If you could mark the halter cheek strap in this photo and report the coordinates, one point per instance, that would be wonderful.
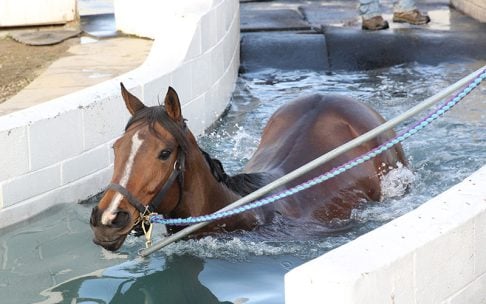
(177, 173)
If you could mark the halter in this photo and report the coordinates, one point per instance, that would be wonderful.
(177, 173)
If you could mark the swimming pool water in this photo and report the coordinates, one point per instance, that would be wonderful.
(53, 253)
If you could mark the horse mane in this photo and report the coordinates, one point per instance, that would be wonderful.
(242, 184)
(157, 114)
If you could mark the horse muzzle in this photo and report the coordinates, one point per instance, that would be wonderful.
(111, 236)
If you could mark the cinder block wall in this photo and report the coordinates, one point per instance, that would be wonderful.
(434, 254)
(473, 8)
(60, 151)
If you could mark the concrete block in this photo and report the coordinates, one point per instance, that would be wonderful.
(26, 186)
(209, 31)
(85, 164)
(195, 48)
(215, 97)
(232, 41)
(1, 197)
(104, 120)
(218, 14)
(473, 293)
(229, 13)
(77, 191)
(480, 244)
(55, 139)
(217, 63)
(155, 89)
(180, 80)
(15, 153)
(85, 187)
(201, 74)
(195, 112)
(445, 265)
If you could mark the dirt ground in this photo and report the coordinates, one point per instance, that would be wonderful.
(20, 63)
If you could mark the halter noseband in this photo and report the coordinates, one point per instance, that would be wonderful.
(178, 174)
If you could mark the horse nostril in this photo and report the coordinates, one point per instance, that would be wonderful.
(121, 219)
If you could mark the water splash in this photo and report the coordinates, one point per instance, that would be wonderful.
(396, 182)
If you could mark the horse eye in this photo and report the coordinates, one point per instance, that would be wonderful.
(165, 154)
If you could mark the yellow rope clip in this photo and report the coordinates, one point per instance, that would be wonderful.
(147, 232)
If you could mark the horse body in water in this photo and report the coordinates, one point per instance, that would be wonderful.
(158, 163)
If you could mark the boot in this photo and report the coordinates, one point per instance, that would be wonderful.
(412, 17)
(374, 24)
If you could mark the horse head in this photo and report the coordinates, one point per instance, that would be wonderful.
(148, 169)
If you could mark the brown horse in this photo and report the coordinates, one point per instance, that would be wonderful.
(159, 166)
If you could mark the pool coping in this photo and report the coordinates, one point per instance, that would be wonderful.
(433, 254)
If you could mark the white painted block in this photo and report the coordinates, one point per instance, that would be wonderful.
(180, 80)
(445, 265)
(209, 32)
(85, 164)
(231, 43)
(34, 12)
(473, 293)
(1, 198)
(55, 139)
(14, 158)
(154, 90)
(218, 12)
(104, 120)
(217, 63)
(195, 48)
(80, 190)
(201, 76)
(213, 97)
(195, 113)
(229, 13)
(480, 244)
(26, 186)
(85, 187)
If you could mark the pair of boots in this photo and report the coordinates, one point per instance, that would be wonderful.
(413, 17)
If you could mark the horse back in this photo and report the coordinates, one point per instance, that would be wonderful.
(311, 126)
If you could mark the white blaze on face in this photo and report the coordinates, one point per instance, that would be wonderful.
(110, 213)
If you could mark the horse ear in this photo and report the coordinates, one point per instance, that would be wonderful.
(173, 105)
(131, 101)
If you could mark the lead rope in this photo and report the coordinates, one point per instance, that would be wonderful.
(155, 218)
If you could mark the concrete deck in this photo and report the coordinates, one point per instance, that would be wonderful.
(85, 65)
(101, 54)
(326, 35)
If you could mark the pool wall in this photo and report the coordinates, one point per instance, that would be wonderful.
(60, 151)
(434, 254)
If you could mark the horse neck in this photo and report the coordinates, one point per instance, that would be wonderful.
(203, 194)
